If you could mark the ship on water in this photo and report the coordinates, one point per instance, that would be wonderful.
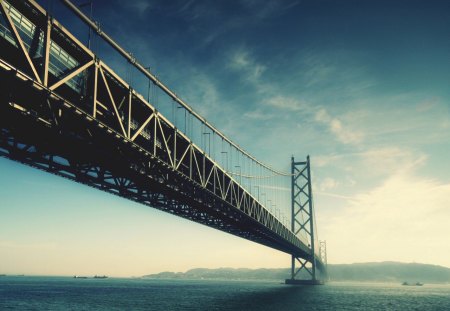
(412, 284)
(95, 277)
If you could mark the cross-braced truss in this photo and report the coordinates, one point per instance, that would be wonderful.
(303, 221)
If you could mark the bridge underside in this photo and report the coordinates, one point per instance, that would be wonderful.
(75, 147)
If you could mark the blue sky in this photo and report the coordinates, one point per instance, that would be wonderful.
(361, 86)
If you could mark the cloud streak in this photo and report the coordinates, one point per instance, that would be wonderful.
(406, 216)
(342, 132)
(249, 69)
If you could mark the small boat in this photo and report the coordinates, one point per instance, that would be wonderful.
(412, 284)
(79, 277)
(100, 277)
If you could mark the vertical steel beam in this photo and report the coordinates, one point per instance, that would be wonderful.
(311, 220)
(130, 96)
(94, 99)
(292, 212)
(154, 133)
(47, 40)
(214, 179)
(203, 168)
(174, 152)
(190, 162)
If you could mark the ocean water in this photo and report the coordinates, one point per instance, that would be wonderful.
(59, 293)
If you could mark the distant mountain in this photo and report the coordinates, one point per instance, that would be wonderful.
(395, 272)
(390, 272)
(224, 274)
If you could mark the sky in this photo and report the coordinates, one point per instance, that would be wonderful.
(360, 86)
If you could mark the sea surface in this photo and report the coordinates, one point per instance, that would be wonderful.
(65, 293)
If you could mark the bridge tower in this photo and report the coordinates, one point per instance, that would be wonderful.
(303, 271)
(323, 257)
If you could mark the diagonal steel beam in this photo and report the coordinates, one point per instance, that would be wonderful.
(197, 166)
(71, 74)
(112, 102)
(142, 127)
(19, 40)
(183, 156)
(169, 152)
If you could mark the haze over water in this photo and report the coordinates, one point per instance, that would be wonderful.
(59, 293)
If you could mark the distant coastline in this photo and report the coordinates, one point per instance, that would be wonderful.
(388, 272)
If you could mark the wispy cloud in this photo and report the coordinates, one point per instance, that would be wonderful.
(288, 103)
(203, 94)
(342, 132)
(258, 115)
(334, 195)
(392, 159)
(328, 183)
(242, 62)
(380, 160)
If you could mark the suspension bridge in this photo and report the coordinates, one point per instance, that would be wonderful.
(65, 111)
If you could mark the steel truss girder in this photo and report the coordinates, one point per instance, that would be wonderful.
(42, 129)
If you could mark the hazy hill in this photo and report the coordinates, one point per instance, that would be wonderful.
(390, 272)
(225, 274)
(364, 272)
